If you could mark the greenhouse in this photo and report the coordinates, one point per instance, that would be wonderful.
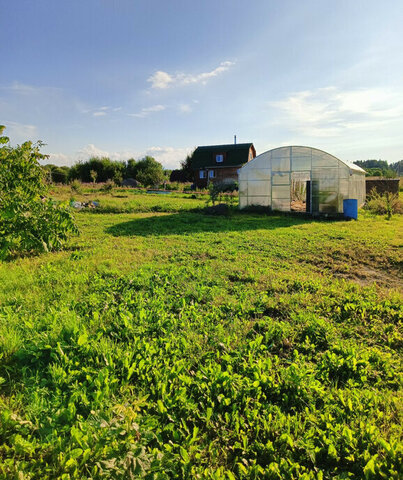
(300, 179)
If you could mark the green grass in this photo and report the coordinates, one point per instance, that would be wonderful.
(180, 345)
(126, 200)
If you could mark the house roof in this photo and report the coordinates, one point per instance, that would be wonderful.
(234, 155)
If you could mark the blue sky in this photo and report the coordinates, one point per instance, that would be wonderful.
(127, 78)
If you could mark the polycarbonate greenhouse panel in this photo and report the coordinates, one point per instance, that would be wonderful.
(322, 159)
(269, 178)
(243, 201)
(281, 205)
(262, 201)
(301, 163)
(280, 164)
(259, 174)
(279, 178)
(243, 188)
(264, 162)
(343, 187)
(257, 188)
(281, 191)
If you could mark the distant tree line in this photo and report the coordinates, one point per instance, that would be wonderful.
(381, 168)
(146, 171)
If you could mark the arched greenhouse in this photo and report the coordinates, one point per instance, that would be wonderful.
(302, 179)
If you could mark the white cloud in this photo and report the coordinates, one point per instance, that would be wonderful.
(169, 157)
(20, 132)
(31, 90)
(99, 114)
(144, 112)
(329, 112)
(163, 80)
(91, 150)
(59, 159)
(185, 108)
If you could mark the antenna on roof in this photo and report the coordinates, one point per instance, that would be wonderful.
(234, 139)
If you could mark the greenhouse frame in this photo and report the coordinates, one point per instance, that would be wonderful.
(300, 179)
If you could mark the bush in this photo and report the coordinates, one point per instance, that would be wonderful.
(107, 187)
(149, 172)
(172, 186)
(222, 191)
(76, 186)
(29, 221)
(385, 204)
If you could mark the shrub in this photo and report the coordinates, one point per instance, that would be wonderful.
(222, 191)
(76, 186)
(172, 186)
(385, 204)
(29, 221)
(149, 172)
(107, 186)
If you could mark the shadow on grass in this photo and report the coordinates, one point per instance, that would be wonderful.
(186, 223)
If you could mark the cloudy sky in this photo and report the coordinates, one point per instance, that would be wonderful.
(125, 78)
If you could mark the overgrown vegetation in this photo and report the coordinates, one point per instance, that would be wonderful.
(29, 220)
(223, 192)
(384, 204)
(186, 346)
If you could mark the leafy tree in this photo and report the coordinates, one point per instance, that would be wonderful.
(382, 164)
(29, 221)
(377, 168)
(149, 172)
(56, 174)
(187, 168)
(130, 168)
(397, 167)
(105, 170)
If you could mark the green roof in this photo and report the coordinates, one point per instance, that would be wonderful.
(234, 155)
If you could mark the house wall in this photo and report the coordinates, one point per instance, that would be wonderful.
(221, 174)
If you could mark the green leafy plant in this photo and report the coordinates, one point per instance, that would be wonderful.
(76, 186)
(222, 192)
(107, 187)
(384, 204)
(29, 220)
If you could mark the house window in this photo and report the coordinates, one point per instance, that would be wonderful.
(202, 174)
(219, 158)
(211, 174)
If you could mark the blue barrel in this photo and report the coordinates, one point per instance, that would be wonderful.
(350, 208)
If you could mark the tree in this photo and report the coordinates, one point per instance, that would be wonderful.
(29, 221)
(104, 168)
(93, 175)
(187, 168)
(377, 168)
(148, 172)
(130, 168)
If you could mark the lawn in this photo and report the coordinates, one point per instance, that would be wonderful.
(164, 343)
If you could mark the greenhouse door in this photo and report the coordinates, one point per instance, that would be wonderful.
(301, 192)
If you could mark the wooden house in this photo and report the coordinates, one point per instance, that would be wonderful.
(218, 163)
